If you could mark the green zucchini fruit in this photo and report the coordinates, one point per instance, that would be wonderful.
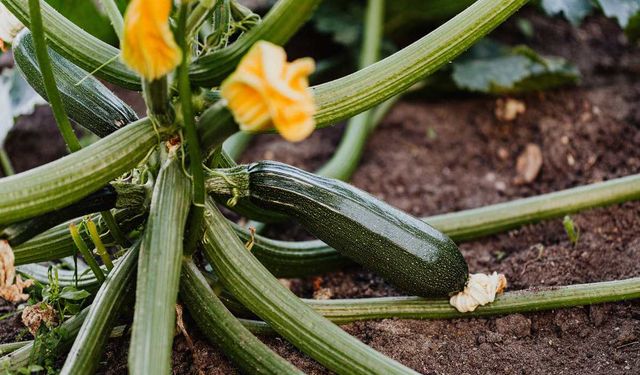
(115, 195)
(406, 251)
(88, 102)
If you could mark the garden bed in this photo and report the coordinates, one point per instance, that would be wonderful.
(430, 157)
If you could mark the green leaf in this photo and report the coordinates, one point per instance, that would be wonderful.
(341, 19)
(572, 10)
(627, 12)
(73, 294)
(622, 10)
(492, 68)
(18, 97)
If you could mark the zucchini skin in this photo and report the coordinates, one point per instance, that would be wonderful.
(20, 232)
(90, 104)
(406, 251)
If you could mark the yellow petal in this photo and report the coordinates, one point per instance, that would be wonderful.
(267, 91)
(148, 46)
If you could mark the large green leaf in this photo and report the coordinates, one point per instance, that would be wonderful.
(16, 98)
(573, 10)
(492, 68)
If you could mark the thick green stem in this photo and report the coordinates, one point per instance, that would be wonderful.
(523, 301)
(64, 125)
(57, 243)
(257, 289)
(66, 180)
(298, 259)
(85, 50)
(13, 346)
(193, 144)
(346, 157)
(84, 356)
(223, 329)
(156, 96)
(111, 9)
(159, 272)
(352, 94)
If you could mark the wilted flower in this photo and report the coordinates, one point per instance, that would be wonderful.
(11, 286)
(148, 46)
(480, 290)
(33, 316)
(266, 90)
(10, 26)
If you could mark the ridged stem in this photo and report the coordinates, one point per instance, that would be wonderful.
(156, 96)
(348, 153)
(77, 45)
(193, 144)
(84, 356)
(57, 243)
(159, 272)
(66, 180)
(256, 288)
(224, 330)
(352, 94)
(301, 258)
(64, 125)
(343, 311)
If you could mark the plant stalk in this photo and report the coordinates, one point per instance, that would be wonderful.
(84, 356)
(223, 329)
(64, 125)
(257, 289)
(348, 153)
(193, 144)
(86, 253)
(159, 272)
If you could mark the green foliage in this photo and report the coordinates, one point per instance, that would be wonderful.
(18, 97)
(573, 10)
(573, 232)
(495, 69)
(626, 12)
(86, 14)
(67, 300)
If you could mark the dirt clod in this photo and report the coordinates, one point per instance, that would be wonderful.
(516, 325)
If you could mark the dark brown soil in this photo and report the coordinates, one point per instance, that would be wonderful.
(430, 157)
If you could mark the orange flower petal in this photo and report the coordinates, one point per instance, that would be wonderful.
(148, 46)
(267, 91)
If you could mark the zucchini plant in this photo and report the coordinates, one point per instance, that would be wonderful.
(209, 69)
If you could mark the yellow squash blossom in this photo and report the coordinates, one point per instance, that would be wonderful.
(266, 90)
(148, 46)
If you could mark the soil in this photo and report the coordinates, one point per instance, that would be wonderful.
(435, 156)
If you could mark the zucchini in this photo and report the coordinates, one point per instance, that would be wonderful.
(115, 195)
(89, 103)
(406, 251)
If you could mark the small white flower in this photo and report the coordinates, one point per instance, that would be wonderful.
(10, 26)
